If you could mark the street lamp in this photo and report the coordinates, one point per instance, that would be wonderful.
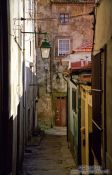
(45, 49)
(45, 46)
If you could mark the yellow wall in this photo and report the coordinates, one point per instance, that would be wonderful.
(86, 122)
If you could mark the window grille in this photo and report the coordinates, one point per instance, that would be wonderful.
(63, 47)
(64, 18)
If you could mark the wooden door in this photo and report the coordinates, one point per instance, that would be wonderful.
(60, 118)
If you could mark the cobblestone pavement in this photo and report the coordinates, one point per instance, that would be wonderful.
(47, 155)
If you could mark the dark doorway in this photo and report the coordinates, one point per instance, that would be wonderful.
(96, 110)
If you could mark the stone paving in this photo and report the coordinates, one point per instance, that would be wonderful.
(47, 154)
(57, 131)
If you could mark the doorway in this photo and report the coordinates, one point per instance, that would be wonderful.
(60, 113)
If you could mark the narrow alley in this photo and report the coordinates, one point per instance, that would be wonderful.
(55, 87)
(48, 154)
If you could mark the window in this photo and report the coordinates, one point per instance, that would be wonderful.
(63, 47)
(64, 18)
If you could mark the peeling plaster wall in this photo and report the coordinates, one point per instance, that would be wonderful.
(78, 29)
(45, 112)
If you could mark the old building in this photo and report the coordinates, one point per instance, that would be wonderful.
(57, 91)
(102, 85)
(69, 26)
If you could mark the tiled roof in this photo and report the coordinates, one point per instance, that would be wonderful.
(85, 47)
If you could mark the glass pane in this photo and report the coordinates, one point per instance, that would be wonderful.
(45, 52)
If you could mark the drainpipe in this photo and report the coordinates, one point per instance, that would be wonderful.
(94, 25)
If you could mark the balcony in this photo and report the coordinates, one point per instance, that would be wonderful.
(73, 1)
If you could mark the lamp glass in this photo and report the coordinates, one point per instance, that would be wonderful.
(45, 48)
(45, 52)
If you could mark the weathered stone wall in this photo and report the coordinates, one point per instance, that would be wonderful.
(44, 112)
(78, 30)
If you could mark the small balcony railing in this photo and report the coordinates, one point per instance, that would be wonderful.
(73, 1)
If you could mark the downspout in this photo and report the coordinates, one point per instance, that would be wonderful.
(94, 25)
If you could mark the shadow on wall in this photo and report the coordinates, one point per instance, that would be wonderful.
(45, 112)
(20, 128)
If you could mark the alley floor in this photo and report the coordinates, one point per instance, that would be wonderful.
(47, 154)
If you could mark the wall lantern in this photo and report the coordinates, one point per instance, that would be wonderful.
(45, 45)
(45, 49)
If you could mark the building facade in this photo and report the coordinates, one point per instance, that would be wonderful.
(69, 26)
(17, 77)
(102, 83)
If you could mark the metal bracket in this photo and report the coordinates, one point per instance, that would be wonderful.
(94, 90)
(98, 127)
(97, 90)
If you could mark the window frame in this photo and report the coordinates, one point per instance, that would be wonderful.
(64, 51)
(64, 18)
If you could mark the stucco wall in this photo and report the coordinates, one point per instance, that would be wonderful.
(103, 36)
(103, 29)
(22, 76)
(16, 86)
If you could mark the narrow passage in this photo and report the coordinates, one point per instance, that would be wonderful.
(47, 155)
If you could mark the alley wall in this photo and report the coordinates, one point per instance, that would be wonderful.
(21, 91)
(103, 46)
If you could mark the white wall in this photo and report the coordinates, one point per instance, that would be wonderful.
(22, 50)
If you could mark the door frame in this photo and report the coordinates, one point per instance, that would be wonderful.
(60, 100)
(54, 97)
